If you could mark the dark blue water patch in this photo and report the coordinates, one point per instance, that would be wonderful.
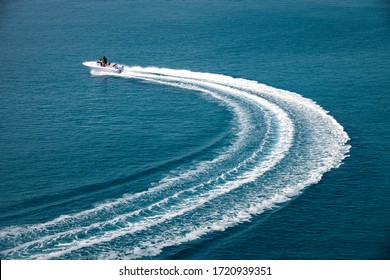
(100, 142)
(311, 224)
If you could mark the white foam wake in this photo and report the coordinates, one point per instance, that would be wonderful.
(283, 143)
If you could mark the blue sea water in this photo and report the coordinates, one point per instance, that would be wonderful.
(238, 130)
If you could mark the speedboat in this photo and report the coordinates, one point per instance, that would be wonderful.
(97, 66)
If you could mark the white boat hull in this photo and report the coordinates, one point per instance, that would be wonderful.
(111, 68)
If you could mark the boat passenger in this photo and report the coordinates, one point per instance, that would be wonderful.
(104, 61)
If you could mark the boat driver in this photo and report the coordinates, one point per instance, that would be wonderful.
(104, 61)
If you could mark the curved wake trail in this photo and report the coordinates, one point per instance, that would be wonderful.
(282, 143)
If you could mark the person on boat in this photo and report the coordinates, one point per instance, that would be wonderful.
(104, 61)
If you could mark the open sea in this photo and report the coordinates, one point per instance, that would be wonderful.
(238, 129)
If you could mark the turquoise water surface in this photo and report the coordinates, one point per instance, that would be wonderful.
(237, 130)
